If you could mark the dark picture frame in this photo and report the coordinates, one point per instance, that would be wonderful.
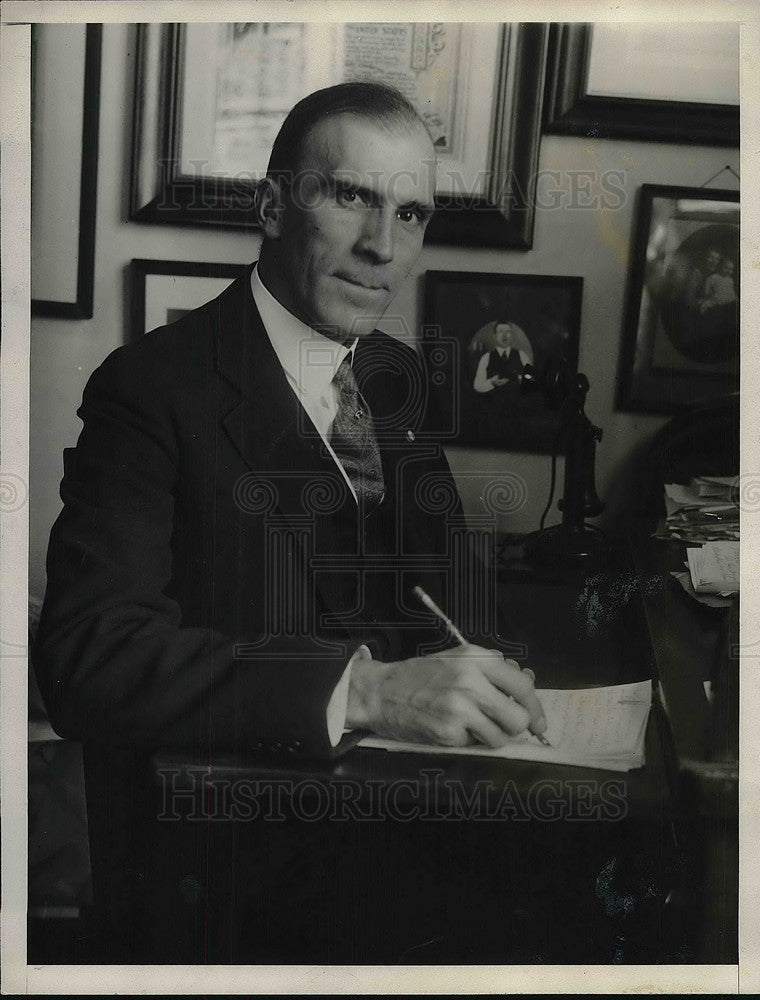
(680, 344)
(160, 194)
(188, 285)
(476, 403)
(570, 110)
(79, 305)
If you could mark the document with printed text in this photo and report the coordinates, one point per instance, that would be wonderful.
(588, 727)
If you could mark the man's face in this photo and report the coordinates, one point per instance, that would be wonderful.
(503, 334)
(353, 224)
(713, 259)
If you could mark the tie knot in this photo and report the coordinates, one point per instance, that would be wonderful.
(345, 373)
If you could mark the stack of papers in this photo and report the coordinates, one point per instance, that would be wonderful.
(718, 487)
(695, 518)
(714, 568)
(588, 727)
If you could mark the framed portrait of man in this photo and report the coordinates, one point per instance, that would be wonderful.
(487, 329)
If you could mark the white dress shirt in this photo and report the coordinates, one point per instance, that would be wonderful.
(310, 361)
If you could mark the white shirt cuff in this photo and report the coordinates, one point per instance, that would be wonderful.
(338, 703)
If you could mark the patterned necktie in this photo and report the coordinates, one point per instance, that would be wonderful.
(353, 439)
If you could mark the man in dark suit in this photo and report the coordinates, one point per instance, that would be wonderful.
(185, 498)
(255, 493)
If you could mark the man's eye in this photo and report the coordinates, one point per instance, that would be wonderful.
(409, 215)
(348, 197)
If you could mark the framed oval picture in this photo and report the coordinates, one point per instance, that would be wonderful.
(681, 338)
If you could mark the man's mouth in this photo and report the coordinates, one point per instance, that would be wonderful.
(368, 286)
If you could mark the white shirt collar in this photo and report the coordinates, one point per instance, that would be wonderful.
(308, 357)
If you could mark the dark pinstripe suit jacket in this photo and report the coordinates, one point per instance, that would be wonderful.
(208, 576)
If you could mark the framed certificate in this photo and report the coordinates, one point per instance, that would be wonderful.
(210, 99)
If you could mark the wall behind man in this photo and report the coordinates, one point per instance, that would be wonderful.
(572, 240)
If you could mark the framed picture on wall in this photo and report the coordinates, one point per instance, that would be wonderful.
(669, 82)
(162, 291)
(65, 118)
(681, 337)
(477, 85)
(480, 333)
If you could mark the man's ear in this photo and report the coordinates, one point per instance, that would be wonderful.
(269, 207)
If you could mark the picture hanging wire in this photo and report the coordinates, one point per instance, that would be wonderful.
(722, 170)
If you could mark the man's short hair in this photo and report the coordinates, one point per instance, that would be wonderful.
(376, 101)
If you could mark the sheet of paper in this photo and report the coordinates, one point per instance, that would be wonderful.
(724, 556)
(710, 600)
(598, 720)
(714, 568)
(682, 496)
(720, 486)
(590, 727)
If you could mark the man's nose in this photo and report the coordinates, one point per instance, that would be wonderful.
(377, 234)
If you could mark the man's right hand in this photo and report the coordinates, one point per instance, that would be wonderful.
(460, 696)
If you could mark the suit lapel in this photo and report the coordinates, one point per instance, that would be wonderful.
(276, 439)
(263, 418)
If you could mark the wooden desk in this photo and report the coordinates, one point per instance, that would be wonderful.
(694, 644)
(514, 861)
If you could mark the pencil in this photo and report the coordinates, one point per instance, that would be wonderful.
(456, 635)
(428, 601)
